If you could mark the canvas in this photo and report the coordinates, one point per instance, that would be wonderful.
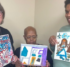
(34, 55)
(6, 51)
(62, 48)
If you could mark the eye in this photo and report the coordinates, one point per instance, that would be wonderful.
(28, 37)
(34, 36)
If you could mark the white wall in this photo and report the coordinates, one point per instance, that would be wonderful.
(19, 14)
(49, 18)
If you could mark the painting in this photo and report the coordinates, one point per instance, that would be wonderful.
(6, 51)
(34, 55)
(62, 48)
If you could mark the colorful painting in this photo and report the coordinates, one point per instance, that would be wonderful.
(6, 51)
(62, 48)
(34, 55)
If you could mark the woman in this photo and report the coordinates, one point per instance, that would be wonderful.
(4, 31)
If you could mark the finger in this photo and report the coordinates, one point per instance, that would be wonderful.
(55, 41)
(12, 59)
(52, 43)
(47, 65)
(19, 59)
(51, 38)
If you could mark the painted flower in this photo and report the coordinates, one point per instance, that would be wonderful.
(65, 35)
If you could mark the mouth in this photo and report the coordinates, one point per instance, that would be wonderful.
(68, 20)
(31, 42)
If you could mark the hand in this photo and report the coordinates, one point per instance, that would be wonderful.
(52, 40)
(47, 63)
(18, 64)
(14, 59)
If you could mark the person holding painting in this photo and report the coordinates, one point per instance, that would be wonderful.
(53, 41)
(30, 36)
(4, 31)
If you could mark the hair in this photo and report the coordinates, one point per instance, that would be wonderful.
(67, 2)
(29, 28)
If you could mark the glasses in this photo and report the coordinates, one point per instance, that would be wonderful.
(28, 37)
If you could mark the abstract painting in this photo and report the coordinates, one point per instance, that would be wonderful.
(6, 51)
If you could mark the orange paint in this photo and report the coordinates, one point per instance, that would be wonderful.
(24, 62)
(33, 58)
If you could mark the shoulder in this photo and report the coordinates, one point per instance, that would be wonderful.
(64, 27)
(5, 31)
(17, 49)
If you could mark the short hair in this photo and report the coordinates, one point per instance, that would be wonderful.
(67, 2)
(2, 10)
(29, 28)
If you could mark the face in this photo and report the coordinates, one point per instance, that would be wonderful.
(63, 43)
(30, 37)
(67, 11)
(1, 17)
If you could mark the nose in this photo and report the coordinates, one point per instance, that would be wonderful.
(31, 38)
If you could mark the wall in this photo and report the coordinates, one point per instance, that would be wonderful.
(49, 18)
(19, 14)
